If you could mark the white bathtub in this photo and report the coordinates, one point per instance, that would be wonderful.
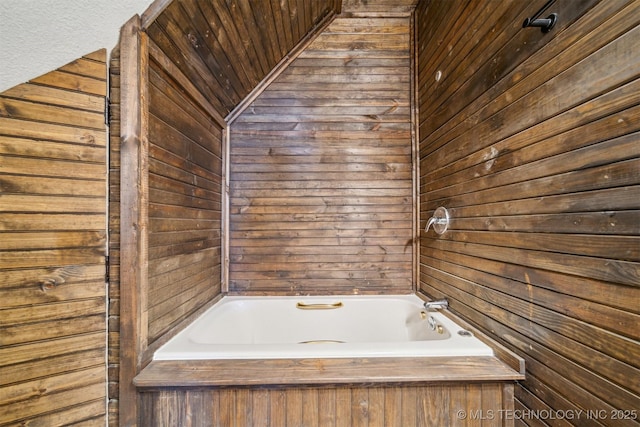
(320, 327)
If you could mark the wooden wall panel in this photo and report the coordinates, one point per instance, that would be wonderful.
(52, 247)
(428, 405)
(185, 179)
(226, 48)
(532, 141)
(321, 172)
(369, 8)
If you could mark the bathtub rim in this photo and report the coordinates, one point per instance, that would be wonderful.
(455, 346)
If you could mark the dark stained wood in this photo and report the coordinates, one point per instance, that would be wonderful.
(171, 92)
(113, 290)
(133, 262)
(372, 8)
(52, 247)
(185, 176)
(184, 82)
(317, 372)
(282, 65)
(531, 140)
(25, 110)
(320, 179)
(227, 48)
(390, 405)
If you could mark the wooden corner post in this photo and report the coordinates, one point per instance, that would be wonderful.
(133, 214)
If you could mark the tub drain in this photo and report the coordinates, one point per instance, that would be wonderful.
(322, 342)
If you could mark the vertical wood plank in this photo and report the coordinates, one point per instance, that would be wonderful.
(244, 407)
(434, 405)
(278, 407)
(327, 407)
(377, 407)
(343, 407)
(410, 406)
(260, 408)
(114, 237)
(133, 214)
(310, 407)
(294, 407)
(458, 398)
(228, 406)
(508, 404)
(393, 406)
(216, 408)
(360, 407)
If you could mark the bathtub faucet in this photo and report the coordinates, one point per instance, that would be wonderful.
(439, 221)
(438, 304)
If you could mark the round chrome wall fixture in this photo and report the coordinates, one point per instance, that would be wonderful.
(439, 221)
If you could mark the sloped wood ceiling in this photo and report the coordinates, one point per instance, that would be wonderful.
(227, 47)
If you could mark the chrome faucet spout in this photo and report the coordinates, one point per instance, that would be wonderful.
(439, 304)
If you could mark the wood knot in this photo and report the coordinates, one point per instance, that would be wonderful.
(89, 139)
(48, 284)
(364, 408)
(193, 40)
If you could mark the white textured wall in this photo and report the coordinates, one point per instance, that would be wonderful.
(38, 36)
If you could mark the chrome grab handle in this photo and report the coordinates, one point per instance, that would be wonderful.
(439, 221)
(303, 306)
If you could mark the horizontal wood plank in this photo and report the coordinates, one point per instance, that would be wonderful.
(56, 96)
(52, 132)
(75, 82)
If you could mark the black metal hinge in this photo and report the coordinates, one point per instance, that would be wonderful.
(107, 110)
(106, 269)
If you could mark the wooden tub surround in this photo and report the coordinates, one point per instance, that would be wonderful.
(324, 392)
(435, 388)
(428, 391)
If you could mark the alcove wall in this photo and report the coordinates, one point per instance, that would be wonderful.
(321, 194)
(531, 140)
